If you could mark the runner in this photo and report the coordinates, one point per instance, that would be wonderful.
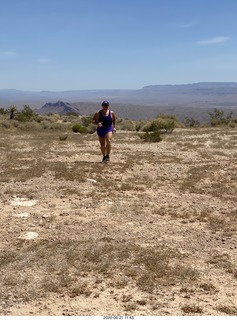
(105, 120)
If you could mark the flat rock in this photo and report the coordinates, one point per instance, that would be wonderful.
(29, 235)
(23, 202)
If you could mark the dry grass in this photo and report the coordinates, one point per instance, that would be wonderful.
(229, 310)
(192, 309)
(135, 228)
(64, 266)
(222, 261)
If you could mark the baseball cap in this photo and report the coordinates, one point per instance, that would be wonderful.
(105, 103)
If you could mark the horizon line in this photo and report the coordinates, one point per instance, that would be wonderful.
(150, 85)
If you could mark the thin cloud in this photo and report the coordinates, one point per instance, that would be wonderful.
(214, 40)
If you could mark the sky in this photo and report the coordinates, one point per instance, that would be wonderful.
(60, 45)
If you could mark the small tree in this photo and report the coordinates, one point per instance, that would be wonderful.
(190, 122)
(12, 111)
(217, 117)
(27, 114)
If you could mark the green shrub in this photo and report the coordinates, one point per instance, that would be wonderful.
(159, 124)
(3, 111)
(163, 123)
(127, 125)
(72, 114)
(91, 128)
(190, 122)
(79, 128)
(218, 118)
(27, 114)
(86, 121)
(139, 124)
(151, 137)
(217, 122)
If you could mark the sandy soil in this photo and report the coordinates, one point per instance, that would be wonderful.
(151, 233)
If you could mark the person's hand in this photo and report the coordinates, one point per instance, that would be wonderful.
(100, 124)
(114, 130)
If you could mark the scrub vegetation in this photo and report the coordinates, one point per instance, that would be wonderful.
(153, 232)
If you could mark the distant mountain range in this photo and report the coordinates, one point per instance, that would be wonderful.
(191, 100)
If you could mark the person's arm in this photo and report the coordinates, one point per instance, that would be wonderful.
(95, 118)
(114, 121)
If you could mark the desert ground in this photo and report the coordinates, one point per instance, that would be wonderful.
(152, 233)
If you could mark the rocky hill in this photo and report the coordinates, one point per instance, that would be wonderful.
(58, 107)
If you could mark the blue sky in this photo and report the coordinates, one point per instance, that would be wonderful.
(110, 44)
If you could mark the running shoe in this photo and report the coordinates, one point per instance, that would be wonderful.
(107, 158)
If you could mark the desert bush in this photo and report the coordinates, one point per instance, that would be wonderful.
(27, 114)
(91, 128)
(42, 118)
(126, 124)
(63, 137)
(221, 261)
(170, 117)
(149, 126)
(139, 125)
(29, 126)
(55, 126)
(190, 122)
(86, 121)
(5, 124)
(230, 310)
(192, 309)
(217, 122)
(218, 118)
(77, 128)
(2, 111)
(161, 124)
(232, 124)
(151, 136)
(45, 125)
(72, 114)
(208, 287)
(54, 117)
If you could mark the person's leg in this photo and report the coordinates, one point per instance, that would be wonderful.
(108, 138)
(102, 145)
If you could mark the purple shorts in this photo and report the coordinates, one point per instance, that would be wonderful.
(101, 131)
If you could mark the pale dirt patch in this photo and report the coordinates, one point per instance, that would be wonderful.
(151, 233)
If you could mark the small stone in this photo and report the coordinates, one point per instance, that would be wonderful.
(91, 180)
(29, 235)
